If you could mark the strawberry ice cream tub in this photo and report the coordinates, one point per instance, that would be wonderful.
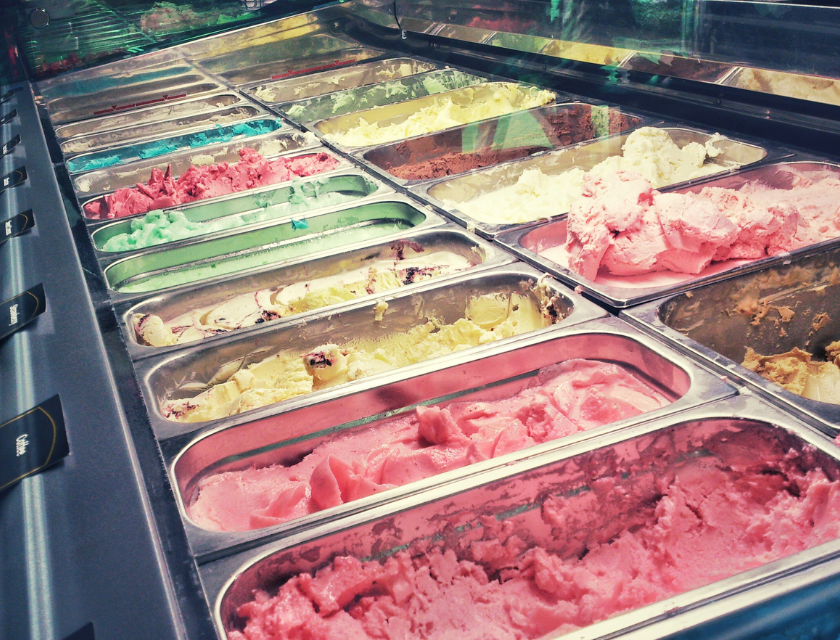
(269, 145)
(699, 519)
(603, 376)
(165, 188)
(625, 243)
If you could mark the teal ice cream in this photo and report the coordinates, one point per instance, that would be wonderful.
(153, 149)
(159, 227)
(393, 91)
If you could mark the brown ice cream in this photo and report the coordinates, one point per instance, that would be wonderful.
(452, 163)
(518, 136)
(795, 371)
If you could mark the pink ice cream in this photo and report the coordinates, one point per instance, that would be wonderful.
(705, 521)
(209, 181)
(573, 396)
(627, 228)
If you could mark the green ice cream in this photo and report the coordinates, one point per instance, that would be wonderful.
(299, 238)
(159, 227)
(360, 98)
(153, 149)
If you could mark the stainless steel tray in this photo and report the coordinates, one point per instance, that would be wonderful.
(396, 113)
(111, 81)
(454, 515)
(301, 88)
(158, 147)
(278, 68)
(290, 47)
(378, 95)
(266, 205)
(502, 374)
(123, 125)
(621, 292)
(716, 323)
(122, 71)
(131, 98)
(511, 136)
(271, 145)
(451, 238)
(449, 194)
(792, 85)
(184, 373)
(679, 67)
(389, 215)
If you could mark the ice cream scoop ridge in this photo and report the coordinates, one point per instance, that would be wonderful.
(273, 303)
(291, 372)
(208, 181)
(704, 523)
(573, 396)
(623, 225)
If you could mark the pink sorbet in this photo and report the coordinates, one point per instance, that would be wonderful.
(622, 225)
(208, 181)
(566, 398)
(705, 523)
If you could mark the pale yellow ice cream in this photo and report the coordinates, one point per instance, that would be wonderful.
(273, 303)
(648, 151)
(291, 373)
(446, 110)
(792, 85)
(593, 53)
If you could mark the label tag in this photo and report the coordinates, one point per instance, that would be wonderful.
(17, 312)
(8, 117)
(10, 145)
(16, 225)
(7, 96)
(13, 179)
(32, 442)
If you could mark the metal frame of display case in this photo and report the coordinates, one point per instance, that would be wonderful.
(105, 524)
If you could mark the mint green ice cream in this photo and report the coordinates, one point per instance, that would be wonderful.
(159, 227)
(377, 95)
(269, 246)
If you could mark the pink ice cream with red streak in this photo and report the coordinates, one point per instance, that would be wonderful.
(615, 547)
(567, 398)
(209, 181)
(623, 226)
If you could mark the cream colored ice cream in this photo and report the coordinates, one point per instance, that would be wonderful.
(792, 85)
(446, 110)
(648, 151)
(291, 373)
(273, 303)
(796, 372)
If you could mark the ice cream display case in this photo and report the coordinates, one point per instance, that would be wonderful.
(419, 320)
